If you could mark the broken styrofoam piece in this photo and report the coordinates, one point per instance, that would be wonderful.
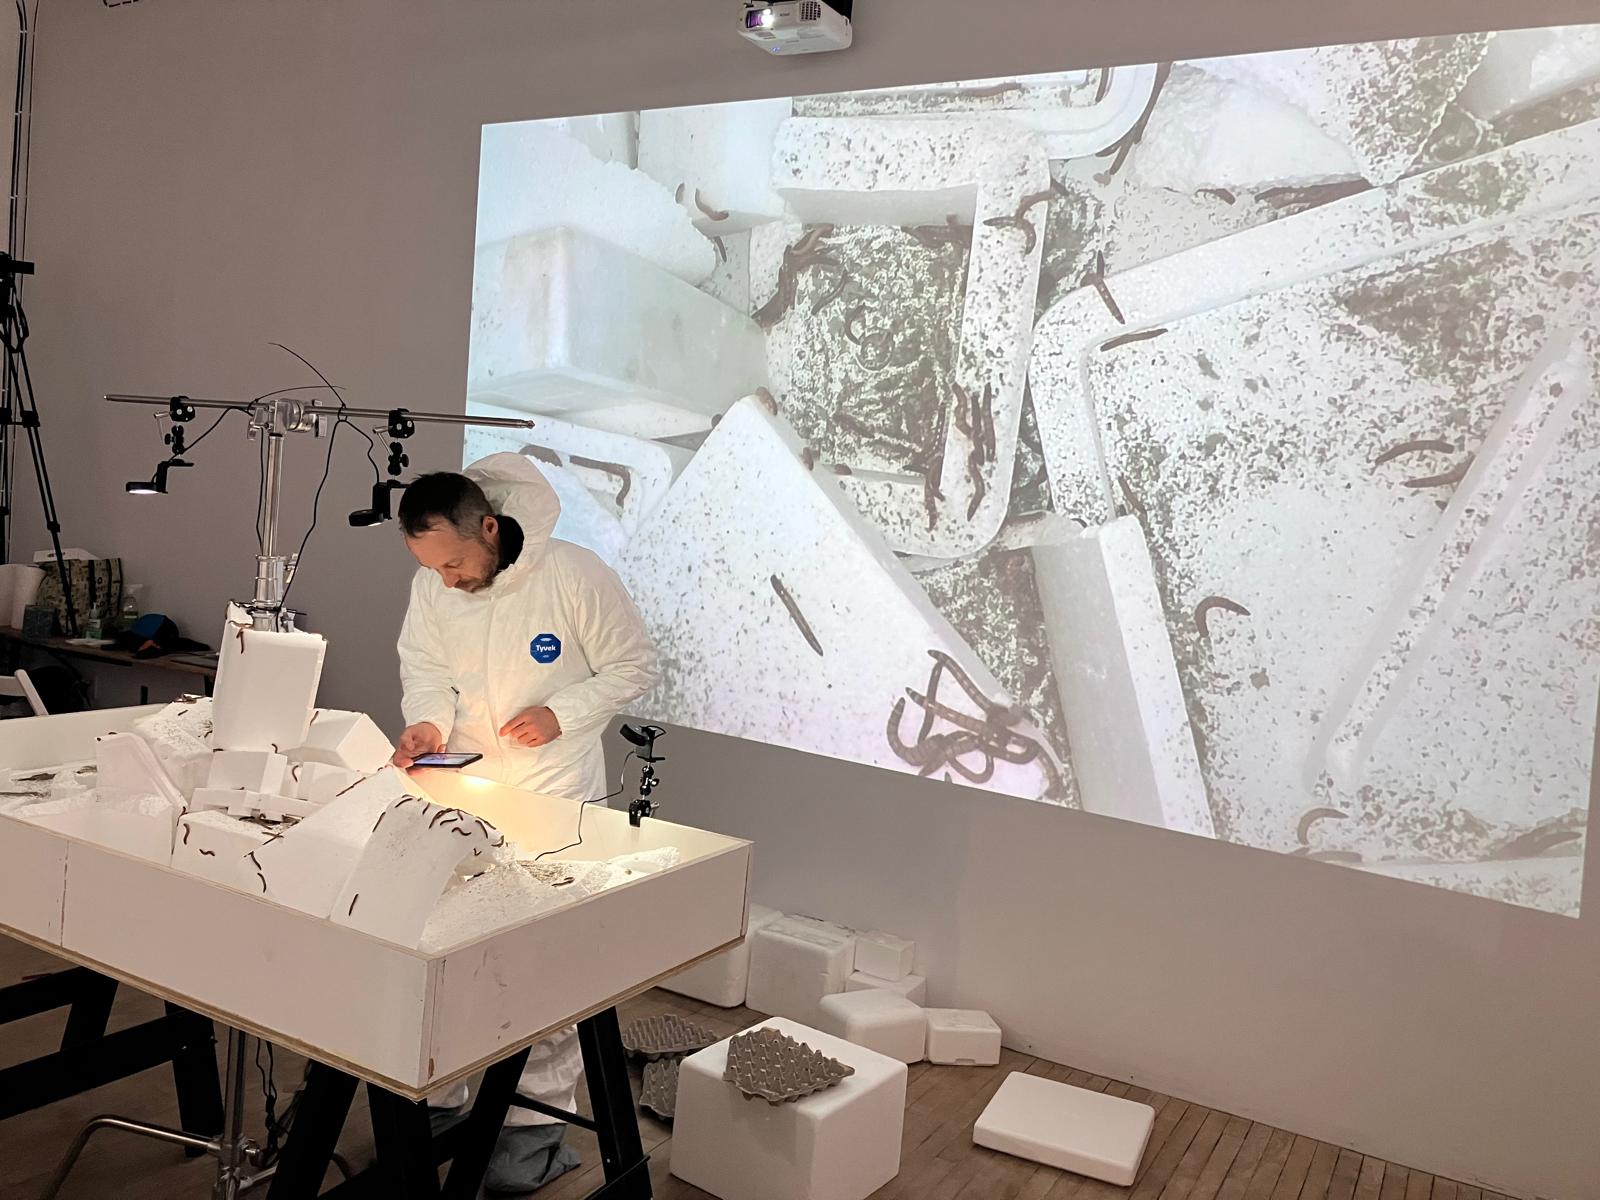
(1381, 99)
(566, 324)
(1557, 384)
(775, 1067)
(995, 175)
(962, 1037)
(307, 867)
(180, 736)
(479, 906)
(138, 824)
(665, 1036)
(534, 176)
(1071, 1128)
(885, 955)
(1074, 113)
(1521, 67)
(908, 987)
(320, 782)
(724, 978)
(1133, 753)
(266, 687)
(878, 1020)
(711, 156)
(344, 739)
(251, 770)
(658, 1091)
(839, 1144)
(793, 964)
(414, 851)
(756, 568)
(216, 846)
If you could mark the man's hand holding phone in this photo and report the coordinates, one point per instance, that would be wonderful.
(417, 740)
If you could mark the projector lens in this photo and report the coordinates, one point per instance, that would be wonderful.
(758, 18)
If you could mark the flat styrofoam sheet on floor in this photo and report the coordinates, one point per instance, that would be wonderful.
(1068, 1127)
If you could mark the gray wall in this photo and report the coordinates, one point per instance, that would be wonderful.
(211, 177)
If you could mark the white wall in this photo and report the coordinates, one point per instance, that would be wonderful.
(210, 177)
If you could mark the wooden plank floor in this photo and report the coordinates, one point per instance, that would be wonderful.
(1194, 1153)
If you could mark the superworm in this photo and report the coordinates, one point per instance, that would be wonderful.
(1060, 188)
(1416, 446)
(352, 907)
(809, 457)
(1134, 136)
(796, 615)
(1222, 194)
(1104, 292)
(1454, 475)
(1205, 606)
(1033, 198)
(851, 318)
(1105, 85)
(186, 833)
(379, 821)
(995, 89)
(1311, 818)
(436, 817)
(678, 195)
(1535, 842)
(1030, 235)
(209, 853)
(615, 470)
(715, 214)
(722, 249)
(832, 294)
(352, 787)
(1144, 335)
(543, 454)
(768, 400)
(841, 469)
(263, 879)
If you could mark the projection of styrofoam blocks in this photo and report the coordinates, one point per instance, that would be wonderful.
(793, 964)
(415, 848)
(962, 1037)
(1074, 113)
(878, 1020)
(747, 525)
(216, 846)
(630, 476)
(565, 323)
(1133, 753)
(320, 782)
(723, 979)
(344, 739)
(180, 736)
(919, 172)
(1524, 66)
(908, 987)
(534, 176)
(610, 137)
(1381, 99)
(884, 954)
(1071, 1128)
(252, 770)
(307, 867)
(266, 687)
(717, 154)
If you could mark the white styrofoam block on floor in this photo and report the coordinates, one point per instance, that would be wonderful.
(885, 955)
(215, 846)
(839, 1144)
(723, 979)
(564, 323)
(717, 154)
(878, 1020)
(320, 782)
(1067, 1127)
(912, 987)
(533, 176)
(962, 1037)
(252, 770)
(266, 687)
(344, 739)
(794, 964)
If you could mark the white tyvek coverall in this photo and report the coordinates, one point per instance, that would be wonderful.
(555, 628)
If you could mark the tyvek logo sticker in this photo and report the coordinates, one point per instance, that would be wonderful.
(546, 648)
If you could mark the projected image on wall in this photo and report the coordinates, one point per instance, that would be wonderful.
(1214, 444)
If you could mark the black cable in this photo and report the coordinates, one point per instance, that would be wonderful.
(622, 786)
(226, 413)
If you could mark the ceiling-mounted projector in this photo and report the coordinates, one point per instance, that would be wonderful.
(797, 26)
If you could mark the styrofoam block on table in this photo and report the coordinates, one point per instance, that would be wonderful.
(266, 687)
(842, 1143)
(126, 766)
(724, 978)
(131, 823)
(878, 1020)
(215, 846)
(962, 1037)
(246, 802)
(180, 736)
(344, 739)
(252, 770)
(885, 955)
(1067, 1127)
(533, 176)
(320, 782)
(716, 153)
(911, 987)
(565, 323)
(794, 964)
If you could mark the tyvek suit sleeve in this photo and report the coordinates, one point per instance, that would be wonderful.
(428, 690)
(613, 640)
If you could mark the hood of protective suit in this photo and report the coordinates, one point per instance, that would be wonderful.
(518, 489)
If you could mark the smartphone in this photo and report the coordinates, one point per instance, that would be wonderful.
(445, 761)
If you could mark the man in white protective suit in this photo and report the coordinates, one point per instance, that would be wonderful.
(522, 648)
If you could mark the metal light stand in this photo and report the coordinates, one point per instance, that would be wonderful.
(274, 419)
